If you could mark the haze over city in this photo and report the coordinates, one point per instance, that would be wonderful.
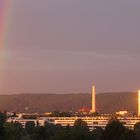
(59, 46)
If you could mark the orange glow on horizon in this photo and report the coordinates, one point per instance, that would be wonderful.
(138, 102)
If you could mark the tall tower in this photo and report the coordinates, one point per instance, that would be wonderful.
(138, 102)
(93, 99)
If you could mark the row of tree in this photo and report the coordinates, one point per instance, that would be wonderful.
(80, 131)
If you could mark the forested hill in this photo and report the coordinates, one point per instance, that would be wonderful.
(105, 102)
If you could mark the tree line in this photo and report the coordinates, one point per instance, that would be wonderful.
(80, 131)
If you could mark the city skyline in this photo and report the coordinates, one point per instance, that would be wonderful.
(67, 46)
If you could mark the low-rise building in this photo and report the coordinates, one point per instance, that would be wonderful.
(92, 122)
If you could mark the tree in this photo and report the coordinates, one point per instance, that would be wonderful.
(2, 118)
(51, 130)
(29, 127)
(97, 133)
(13, 131)
(63, 135)
(73, 134)
(38, 133)
(137, 126)
(128, 135)
(80, 123)
(137, 130)
(113, 131)
(61, 114)
(2, 121)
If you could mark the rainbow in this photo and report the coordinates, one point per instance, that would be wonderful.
(5, 13)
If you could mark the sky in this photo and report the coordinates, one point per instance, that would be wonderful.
(65, 46)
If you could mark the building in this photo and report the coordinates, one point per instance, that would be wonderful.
(93, 100)
(23, 122)
(92, 122)
(138, 102)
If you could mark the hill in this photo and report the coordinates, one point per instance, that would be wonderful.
(105, 102)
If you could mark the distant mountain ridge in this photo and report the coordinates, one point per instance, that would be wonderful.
(105, 102)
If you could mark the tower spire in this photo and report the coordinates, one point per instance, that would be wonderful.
(93, 99)
(138, 102)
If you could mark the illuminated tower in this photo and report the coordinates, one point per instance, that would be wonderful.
(138, 102)
(93, 99)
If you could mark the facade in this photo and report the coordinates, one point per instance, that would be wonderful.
(23, 122)
(92, 122)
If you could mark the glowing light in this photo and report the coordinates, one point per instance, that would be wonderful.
(93, 99)
(122, 113)
(138, 102)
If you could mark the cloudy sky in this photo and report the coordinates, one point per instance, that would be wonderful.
(64, 46)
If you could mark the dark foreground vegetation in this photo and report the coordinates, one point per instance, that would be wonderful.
(113, 131)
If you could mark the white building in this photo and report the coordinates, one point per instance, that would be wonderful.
(92, 122)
